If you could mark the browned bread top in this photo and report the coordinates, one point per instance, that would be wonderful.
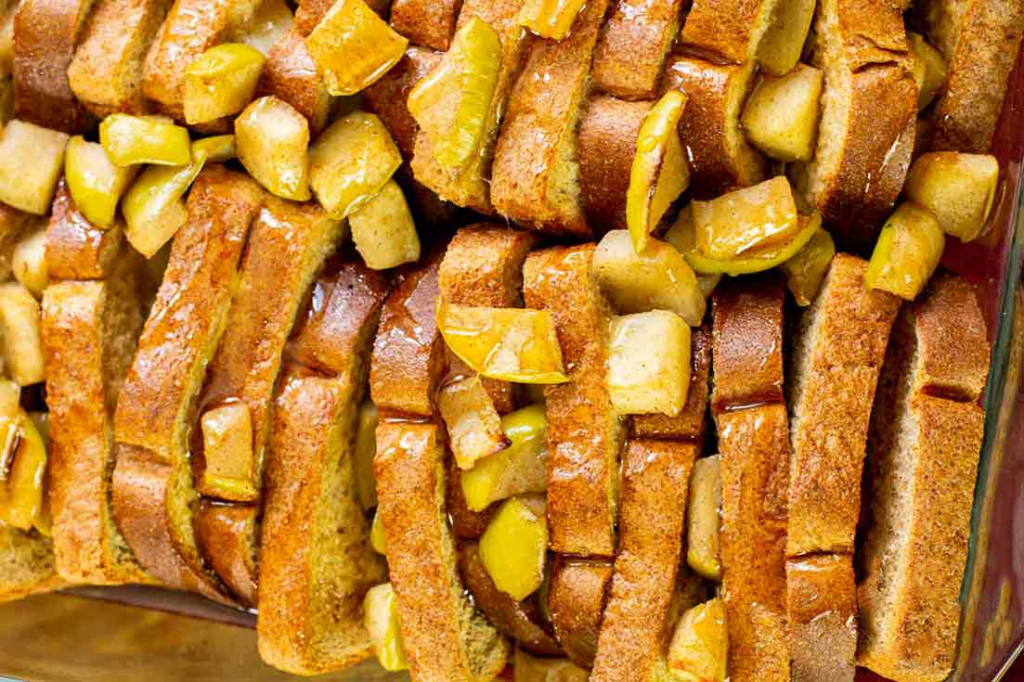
(577, 593)
(637, 619)
(692, 420)
(631, 49)
(290, 75)
(75, 248)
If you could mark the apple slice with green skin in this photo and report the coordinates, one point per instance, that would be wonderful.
(21, 496)
(131, 140)
(95, 182)
(216, 148)
(519, 469)
(764, 260)
(907, 252)
(746, 221)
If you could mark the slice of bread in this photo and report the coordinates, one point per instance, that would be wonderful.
(753, 442)
(577, 593)
(980, 41)
(445, 639)
(637, 620)
(720, 156)
(316, 562)
(75, 248)
(692, 420)
(228, 539)
(46, 33)
(926, 434)
(822, 607)
(430, 23)
(727, 30)
(26, 564)
(535, 176)
(106, 72)
(631, 50)
(607, 144)
(584, 432)
(290, 75)
(864, 149)
(153, 486)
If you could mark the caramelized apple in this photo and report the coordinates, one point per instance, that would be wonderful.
(365, 449)
(644, 382)
(514, 548)
(781, 114)
(703, 518)
(474, 426)
(227, 449)
(95, 182)
(529, 668)
(31, 159)
(19, 330)
(907, 252)
(928, 66)
(216, 149)
(28, 262)
(130, 140)
(550, 18)
(383, 229)
(700, 645)
(958, 188)
(518, 469)
(380, 608)
(806, 270)
(745, 221)
(221, 82)
(273, 145)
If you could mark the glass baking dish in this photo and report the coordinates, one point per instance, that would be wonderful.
(151, 634)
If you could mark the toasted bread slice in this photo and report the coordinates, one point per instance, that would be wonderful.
(228, 539)
(483, 266)
(729, 31)
(607, 144)
(719, 154)
(631, 50)
(471, 187)
(316, 561)
(753, 442)
(692, 420)
(430, 23)
(387, 97)
(190, 28)
(925, 440)
(26, 564)
(409, 353)
(466, 524)
(106, 72)
(837, 356)
(288, 244)
(637, 620)
(516, 620)
(535, 175)
(980, 41)
(76, 249)
(445, 639)
(46, 33)
(89, 331)
(12, 225)
(864, 150)
(290, 75)
(153, 487)
(584, 432)
(822, 607)
(577, 593)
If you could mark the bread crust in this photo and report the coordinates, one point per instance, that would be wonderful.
(409, 353)
(430, 23)
(438, 621)
(75, 248)
(387, 97)
(730, 31)
(822, 606)
(584, 432)
(534, 179)
(637, 623)
(46, 33)
(720, 156)
(576, 599)
(26, 564)
(290, 75)
(224, 533)
(691, 422)
(106, 72)
(607, 144)
(631, 50)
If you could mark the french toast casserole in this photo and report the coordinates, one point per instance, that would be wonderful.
(597, 339)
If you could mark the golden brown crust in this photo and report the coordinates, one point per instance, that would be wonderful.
(637, 623)
(483, 266)
(387, 96)
(584, 432)
(576, 599)
(632, 48)
(535, 173)
(837, 357)
(75, 248)
(290, 75)
(822, 607)
(692, 420)
(106, 72)
(225, 533)
(730, 30)
(607, 145)
(408, 354)
(430, 23)
(719, 155)
(438, 621)
(45, 35)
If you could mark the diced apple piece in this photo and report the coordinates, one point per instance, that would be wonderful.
(130, 140)
(221, 82)
(657, 279)
(806, 270)
(452, 101)
(273, 145)
(907, 252)
(353, 47)
(519, 469)
(19, 333)
(474, 426)
(512, 344)
(31, 160)
(216, 149)
(550, 19)
(958, 188)
(351, 161)
(273, 20)
(659, 173)
(764, 259)
(929, 68)
(21, 502)
(745, 221)
(10, 424)
(703, 518)
(383, 230)
(514, 548)
(377, 539)
(681, 237)
(28, 262)
(529, 668)
(380, 608)
(780, 47)
(365, 449)
(227, 449)
(645, 382)
(95, 183)
(700, 645)
(781, 115)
